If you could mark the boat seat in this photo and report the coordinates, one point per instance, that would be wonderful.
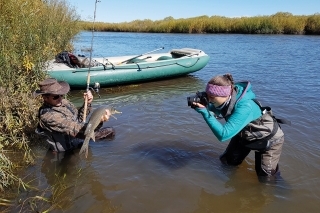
(136, 60)
(161, 58)
(177, 53)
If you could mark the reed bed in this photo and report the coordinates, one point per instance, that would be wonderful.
(279, 23)
(31, 32)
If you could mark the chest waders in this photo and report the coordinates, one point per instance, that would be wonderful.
(253, 134)
(258, 134)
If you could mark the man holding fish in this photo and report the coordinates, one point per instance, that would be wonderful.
(61, 121)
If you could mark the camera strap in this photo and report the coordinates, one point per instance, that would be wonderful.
(224, 104)
(228, 108)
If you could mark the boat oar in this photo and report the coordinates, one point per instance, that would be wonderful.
(140, 55)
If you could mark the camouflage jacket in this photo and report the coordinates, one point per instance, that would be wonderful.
(62, 124)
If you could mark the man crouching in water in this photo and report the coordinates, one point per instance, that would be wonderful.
(61, 121)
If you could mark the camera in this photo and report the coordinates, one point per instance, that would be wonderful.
(200, 97)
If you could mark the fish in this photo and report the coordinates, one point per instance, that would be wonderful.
(93, 122)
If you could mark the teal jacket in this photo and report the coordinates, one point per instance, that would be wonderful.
(242, 113)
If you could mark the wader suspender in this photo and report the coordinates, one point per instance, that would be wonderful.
(275, 125)
(281, 121)
(264, 142)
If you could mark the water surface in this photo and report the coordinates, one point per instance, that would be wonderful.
(164, 157)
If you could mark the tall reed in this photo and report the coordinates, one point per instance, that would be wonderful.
(279, 23)
(31, 32)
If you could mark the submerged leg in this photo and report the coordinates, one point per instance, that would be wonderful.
(105, 133)
(235, 152)
(266, 162)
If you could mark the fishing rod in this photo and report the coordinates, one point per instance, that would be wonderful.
(89, 69)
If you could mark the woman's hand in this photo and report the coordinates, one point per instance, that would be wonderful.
(89, 96)
(198, 105)
(106, 116)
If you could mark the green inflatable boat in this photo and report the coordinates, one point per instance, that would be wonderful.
(120, 70)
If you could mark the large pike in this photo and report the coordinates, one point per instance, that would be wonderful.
(93, 122)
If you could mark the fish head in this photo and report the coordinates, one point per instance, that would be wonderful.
(114, 111)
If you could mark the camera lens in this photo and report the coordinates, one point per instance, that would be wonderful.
(189, 101)
(200, 97)
(192, 99)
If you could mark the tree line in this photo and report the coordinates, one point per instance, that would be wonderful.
(279, 23)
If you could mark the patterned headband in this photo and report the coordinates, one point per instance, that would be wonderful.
(220, 91)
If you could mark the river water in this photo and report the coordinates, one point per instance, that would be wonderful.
(164, 157)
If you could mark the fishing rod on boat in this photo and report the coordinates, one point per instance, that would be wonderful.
(140, 55)
(89, 69)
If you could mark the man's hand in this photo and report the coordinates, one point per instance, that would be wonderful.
(106, 116)
(89, 96)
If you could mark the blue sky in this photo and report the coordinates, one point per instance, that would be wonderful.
(128, 10)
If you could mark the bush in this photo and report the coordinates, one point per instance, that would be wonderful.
(313, 24)
(31, 32)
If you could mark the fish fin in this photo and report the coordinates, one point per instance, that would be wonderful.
(82, 150)
(114, 117)
(87, 152)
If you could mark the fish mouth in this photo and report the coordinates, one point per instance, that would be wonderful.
(115, 112)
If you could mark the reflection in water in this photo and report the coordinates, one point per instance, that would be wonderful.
(59, 165)
(244, 196)
(242, 192)
(174, 154)
(62, 174)
(70, 182)
(130, 94)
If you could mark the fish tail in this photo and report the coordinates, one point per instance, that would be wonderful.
(84, 147)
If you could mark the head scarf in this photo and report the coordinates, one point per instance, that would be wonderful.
(220, 91)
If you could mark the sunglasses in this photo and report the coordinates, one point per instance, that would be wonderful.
(55, 97)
